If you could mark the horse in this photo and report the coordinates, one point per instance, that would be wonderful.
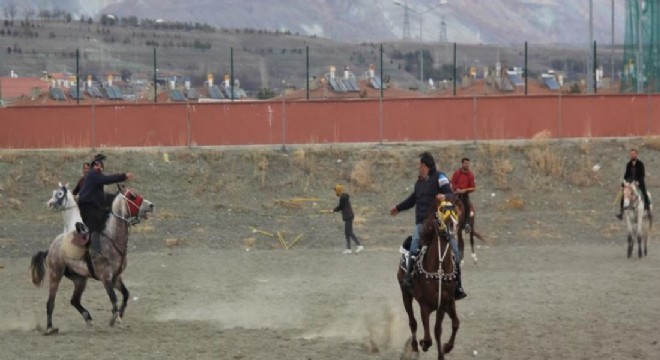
(63, 201)
(633, 208)
(466, 223)
(435, 274)
(128, 208)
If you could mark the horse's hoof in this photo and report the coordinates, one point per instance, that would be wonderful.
(447, 348)
(120, 320)
(462, 262)
(474, 258)
(113, 319)
(51, 331)
(89, 323)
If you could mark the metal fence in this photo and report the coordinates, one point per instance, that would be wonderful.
(162, 63)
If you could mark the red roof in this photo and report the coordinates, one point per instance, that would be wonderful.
(12, 88)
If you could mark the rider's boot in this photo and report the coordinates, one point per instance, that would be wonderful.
(96, 242)
(407, 283)
(459, 293)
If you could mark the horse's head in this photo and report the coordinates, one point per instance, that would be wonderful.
(629, 193)
(131, 206)
(61, 199)
(440, 220)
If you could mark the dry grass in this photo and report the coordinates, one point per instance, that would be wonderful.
(500, 165)
(545, 160)
(513, 202)
(361, 175)
(651, 142)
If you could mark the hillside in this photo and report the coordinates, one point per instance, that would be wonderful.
(260, 59)
(473, 21)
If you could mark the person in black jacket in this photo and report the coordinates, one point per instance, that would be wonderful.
(348, 216)
(93, 202)
(430, 184)
(635, 172)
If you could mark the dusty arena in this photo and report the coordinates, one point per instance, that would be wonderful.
(210, 277)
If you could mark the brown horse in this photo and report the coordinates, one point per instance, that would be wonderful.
(65, 258)
(466, 223)
(434, 274)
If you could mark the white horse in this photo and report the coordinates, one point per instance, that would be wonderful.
(63, 200)
(633, 208)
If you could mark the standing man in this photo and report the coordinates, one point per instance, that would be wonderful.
(92, 201)
(347, 215)
(463, 184)
(430, 184)
(85, 170)
(635, 172)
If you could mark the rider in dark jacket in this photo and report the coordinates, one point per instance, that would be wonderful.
(431, 184)
(92, 200)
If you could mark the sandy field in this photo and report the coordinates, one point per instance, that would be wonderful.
(554, 282)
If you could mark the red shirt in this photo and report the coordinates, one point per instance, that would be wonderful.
(462, 180)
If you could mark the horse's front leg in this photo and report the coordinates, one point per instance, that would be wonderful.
(119, 285)
(425, 312)
(455, 323)
(630, 245)
(439, 316)
(412, 323)
(107, 283)
(639, 244)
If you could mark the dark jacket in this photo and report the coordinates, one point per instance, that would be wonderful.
(92, 190)
(424, 194)
(345, 207)
(634, 173)
(79, 186)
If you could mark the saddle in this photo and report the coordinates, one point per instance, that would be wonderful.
(81, 236)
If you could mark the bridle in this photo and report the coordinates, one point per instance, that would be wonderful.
(63, 200)
(133, 203)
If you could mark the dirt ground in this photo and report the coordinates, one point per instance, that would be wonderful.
(553, 283)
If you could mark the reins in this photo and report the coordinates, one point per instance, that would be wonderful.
(130, 220)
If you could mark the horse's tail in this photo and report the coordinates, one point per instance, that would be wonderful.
(480, 237)
(38, 267)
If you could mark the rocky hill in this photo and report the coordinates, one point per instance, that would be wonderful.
(467, 21)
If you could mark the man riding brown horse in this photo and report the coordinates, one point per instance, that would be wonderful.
(431, 186)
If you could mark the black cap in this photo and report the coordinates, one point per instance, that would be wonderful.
(98, 158)
(427, 159)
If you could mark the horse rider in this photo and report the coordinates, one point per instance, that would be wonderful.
(635, 172)
(93, 202)
(430, 184)
(463, 184)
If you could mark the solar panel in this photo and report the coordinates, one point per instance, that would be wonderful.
(176, 95)
(75, 94)
(354, 84)
(229, 94)
(215, 93)
(375, 82)
(335, 86)
(118, 94)
(192, 94)
(93, 91)
(109, 92)
(57, 94)
(550, 82)
(516, 79)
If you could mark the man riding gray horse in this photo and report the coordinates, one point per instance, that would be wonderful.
(93, 201)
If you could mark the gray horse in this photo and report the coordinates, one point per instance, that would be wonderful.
(66, 257)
